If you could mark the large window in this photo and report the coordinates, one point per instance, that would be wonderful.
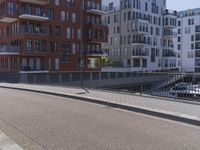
(63, 16)
(51, 14)
(65, 49)
(11, 8)
(53, 47)
(69, 34)
(57, 2)
(57, 31)
(73, 17)
(29, 45)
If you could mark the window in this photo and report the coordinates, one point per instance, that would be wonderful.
(57, 31)
(65, 49)
(57, 2)
(51, 14)
(73, 48)
(38, 11)
(29, 45)
(68, 33)
(179, 39)
(179, 47)
(73, 17)
(11, 8)
(191, 21)
(179, 23)
(37, 45)
(53, 47)
(79, 35)
(70, 4)
(192, 37)
(63, 16)
(179, 31)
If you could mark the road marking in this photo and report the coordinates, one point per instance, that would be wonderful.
(7, 144)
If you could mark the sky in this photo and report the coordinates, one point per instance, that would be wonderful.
(183, 4)
(177, 4)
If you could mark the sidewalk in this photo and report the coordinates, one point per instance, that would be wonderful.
(7, 144)
(184, 112)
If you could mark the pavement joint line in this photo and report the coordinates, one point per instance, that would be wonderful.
(7, 144)
(193, 120)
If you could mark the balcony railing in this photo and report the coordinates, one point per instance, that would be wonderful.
(197, 54)
(97, 10)
(9, 49)
(35, 30)
(33, 14)
(98, 53)
(141, 42)
(172, 35)
(38, 2)
(140, 54)
(169, 54)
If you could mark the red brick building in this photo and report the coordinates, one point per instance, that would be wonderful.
(45, 35)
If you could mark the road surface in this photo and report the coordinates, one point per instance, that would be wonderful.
(43, 122)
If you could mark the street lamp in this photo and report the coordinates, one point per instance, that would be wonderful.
(81, 42)
(81, 46)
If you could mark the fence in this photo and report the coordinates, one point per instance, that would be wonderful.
(171, 85)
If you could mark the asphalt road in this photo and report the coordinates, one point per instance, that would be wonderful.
(37, 121)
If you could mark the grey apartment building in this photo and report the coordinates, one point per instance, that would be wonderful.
(141, 35)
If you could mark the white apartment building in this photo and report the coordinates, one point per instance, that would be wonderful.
(141, 34)
(187, 43)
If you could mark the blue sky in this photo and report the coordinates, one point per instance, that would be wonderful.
(183, 4)
(177, 4)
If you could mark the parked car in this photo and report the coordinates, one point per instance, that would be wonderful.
(186, 90)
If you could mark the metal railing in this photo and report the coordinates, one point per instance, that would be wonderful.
(9, 49)
(33, 11)
(37, 30)
(160, 84)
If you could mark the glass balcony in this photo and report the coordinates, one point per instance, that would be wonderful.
(96, 10)
(37, 2)
(34, 30)
(9, 50)
(33, 14)
(141, 42)
(95, 53)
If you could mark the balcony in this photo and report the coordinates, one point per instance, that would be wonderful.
(140, 42)
(172, 35)
(197, 54)
(31, 14)
(96, 11)
(37, 2)
(197, 62)
(197, 37)
(6, 19)
(9, 50)
(140, 54)
(169, 54)
(139, 26)
(97, 34)
(34, 30)
(94, 53)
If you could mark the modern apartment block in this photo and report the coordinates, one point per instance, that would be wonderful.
(46, 35)
(187, 42)
(141, 34)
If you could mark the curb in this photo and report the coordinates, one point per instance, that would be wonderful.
(115, 105)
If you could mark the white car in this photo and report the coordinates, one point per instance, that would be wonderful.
(186, 90)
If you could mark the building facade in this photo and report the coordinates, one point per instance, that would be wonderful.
(141, 34)
(51, 35)
(187, 43)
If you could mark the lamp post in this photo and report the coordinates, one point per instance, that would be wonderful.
(81, 43)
